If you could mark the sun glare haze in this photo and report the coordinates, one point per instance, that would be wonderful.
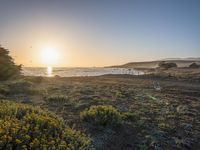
(49, 56)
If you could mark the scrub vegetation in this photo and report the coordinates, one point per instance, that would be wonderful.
(26, 127)
(108, 112)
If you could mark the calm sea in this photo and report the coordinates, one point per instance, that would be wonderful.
(70, 72)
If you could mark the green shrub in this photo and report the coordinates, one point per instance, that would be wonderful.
(56, 99)
(20, 86)
(128, 116)
(4, 90)
(37, 91)
(33, 79)
(101, 115)
(25, 127)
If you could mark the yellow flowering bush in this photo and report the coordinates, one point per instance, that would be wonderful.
(101, 115)
(26, 127)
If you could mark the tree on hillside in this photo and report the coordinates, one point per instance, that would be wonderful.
(165, 65)
(8, 69)
(194, 66)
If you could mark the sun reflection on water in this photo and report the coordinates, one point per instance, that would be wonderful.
(49, 71)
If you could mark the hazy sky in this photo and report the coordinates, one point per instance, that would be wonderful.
(100, 33)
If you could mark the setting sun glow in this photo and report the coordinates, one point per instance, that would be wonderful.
(49, 56)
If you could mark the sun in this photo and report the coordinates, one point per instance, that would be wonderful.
(49, 56)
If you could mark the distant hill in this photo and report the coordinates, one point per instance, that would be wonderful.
(185, 59)
(181, 62)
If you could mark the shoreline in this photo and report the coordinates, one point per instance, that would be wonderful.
(70, 72)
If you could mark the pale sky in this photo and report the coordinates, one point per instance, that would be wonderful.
(99, 33)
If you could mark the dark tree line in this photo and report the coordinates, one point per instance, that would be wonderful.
(8, 69)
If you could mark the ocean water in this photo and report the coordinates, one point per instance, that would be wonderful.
(71, 72)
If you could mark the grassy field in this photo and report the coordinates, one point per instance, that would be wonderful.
(135, 112)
